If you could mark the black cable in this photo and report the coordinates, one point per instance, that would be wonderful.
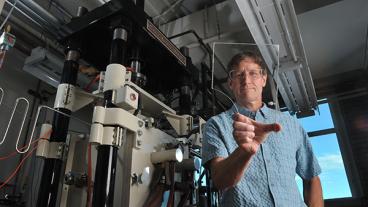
(39, 175)
(139, 108)
(32, 180)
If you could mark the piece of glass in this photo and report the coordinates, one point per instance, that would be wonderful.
(253, 77)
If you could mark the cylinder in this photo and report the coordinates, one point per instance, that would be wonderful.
(167, 155)
(114, 77)
(43, 143)
(103, 188)
(190, 164)
(52, 170)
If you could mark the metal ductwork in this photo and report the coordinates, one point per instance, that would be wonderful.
(275, 22)
(38, 15)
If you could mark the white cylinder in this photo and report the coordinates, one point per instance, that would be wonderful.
(65, 96)
(167, 155)
(114, 77)
(96, 134)
(43, 143)
(189, 164)
(98, 114)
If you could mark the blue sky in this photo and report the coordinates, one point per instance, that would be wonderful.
(327, 151)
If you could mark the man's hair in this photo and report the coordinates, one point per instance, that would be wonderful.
(236, 59)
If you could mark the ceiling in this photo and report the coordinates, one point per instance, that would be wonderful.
(335, 37)
(334, 32)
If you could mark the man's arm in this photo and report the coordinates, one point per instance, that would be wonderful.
(312, 192)
(227, 172)
(248, 134)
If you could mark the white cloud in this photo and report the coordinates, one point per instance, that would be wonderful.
(331, 162)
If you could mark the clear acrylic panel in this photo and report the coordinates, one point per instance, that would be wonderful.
(223, 52)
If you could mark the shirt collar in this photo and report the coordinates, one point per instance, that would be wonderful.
(264, 110)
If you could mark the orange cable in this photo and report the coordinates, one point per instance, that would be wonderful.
(34, 141)
(17, 168)
(93, 81)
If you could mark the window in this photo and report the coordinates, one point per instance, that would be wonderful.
(326, 148)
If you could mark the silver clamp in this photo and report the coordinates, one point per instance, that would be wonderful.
(56, 150)
(65, 96)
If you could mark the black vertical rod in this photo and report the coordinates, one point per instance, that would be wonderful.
(204, 86)
(103, 189)
(47, 196)
(185, 98)
(209, 187)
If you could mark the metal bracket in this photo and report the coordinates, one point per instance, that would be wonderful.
(110, 125)
(65, 96)
(182, 124)
(56, 150)
(83, 98)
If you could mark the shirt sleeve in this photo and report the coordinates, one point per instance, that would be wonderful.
(213, 144)
(307, 163)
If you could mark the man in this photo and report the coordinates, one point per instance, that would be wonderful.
(253, 160)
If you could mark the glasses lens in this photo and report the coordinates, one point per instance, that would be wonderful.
(253, 74)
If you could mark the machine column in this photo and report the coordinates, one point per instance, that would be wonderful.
(52, 170)
(103, 190)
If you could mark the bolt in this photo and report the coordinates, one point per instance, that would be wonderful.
(140, 123)
(140, 133)
(134, 178)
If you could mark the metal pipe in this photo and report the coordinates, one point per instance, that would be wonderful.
(200, 41)
(52, 170)
(103, 189)
(61, 9)
(23, 13)
(43, 13)
(33, 107)
(209, 51)
(262, 27)
(302, 85)
(11, 119)
(35, 17)
(286, 30)
(30, 35)
(204, 86)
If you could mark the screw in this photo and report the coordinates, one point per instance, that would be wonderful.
(140, 123)
(140, 133)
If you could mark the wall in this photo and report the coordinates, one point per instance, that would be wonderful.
(15, 83)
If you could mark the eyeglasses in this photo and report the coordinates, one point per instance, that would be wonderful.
(254, 74)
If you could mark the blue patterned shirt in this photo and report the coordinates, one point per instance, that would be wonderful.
(269, 179)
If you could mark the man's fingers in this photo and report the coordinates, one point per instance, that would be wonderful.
(241, 126)
(241, 118)
(242, 122)
(239, 135)
(275, 127)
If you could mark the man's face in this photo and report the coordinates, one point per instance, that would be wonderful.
(247, 81)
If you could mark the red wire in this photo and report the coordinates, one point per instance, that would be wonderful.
(88, 87)
(130, 69)
(34, 141)
(17, 168)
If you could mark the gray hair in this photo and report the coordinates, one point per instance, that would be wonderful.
(236, 59)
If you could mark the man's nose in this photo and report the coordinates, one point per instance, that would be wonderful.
(247, 78)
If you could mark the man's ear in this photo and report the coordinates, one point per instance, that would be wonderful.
(264, 78)
(229, 82)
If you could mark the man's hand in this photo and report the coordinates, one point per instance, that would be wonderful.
(249, 134)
